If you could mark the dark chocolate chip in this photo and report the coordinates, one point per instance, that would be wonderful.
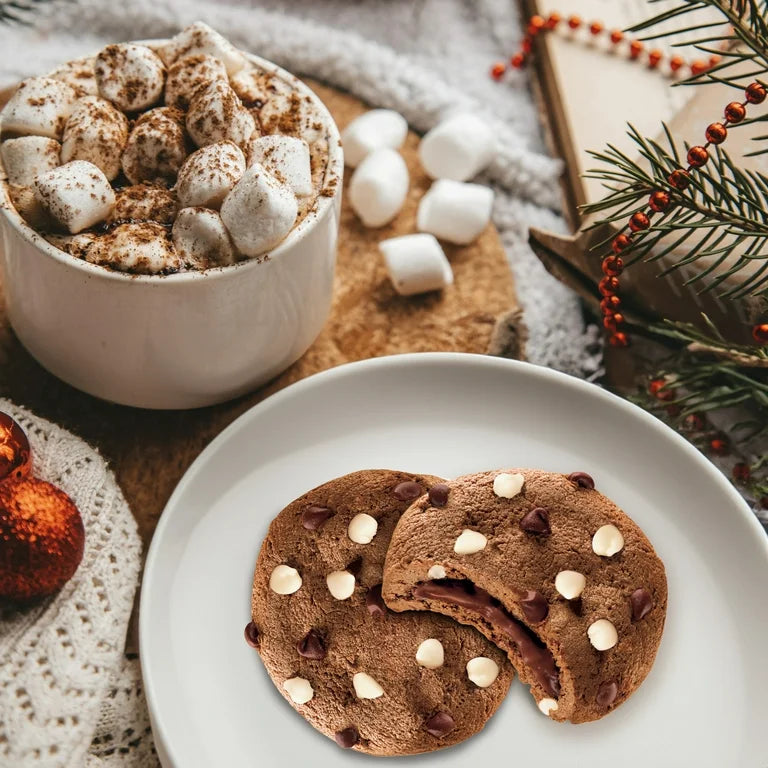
(438, 495)
(439, 724)
(355, 566)
(375, 602)
(607, 692)
(582, 479)
(314, 517)
(641, 602)
(534, 606)
(251, 634)
(311, 646)
(347, 738)
(407, 491)
(536, 521)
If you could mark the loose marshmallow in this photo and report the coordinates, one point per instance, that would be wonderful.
(570, 584)
(607, 541)
(482, 671)
(216, 113)
(209, 174)
(454, 211)
(201, 239)
(259, 212)
(39, 107)
(416, 264)
(458, 148)
(97, 132)
(378, 187)
(199, 38)
(77, 195)
(130, 76)
(25, 157)
(341, 584)
(508, 485)
(287, 158)
(144, 202)
(299, 689)
(547, 705)
(284, 580)
(436, 572)
(373, 130)
(80, 75)
(469, 542)
(602, 634)
(156, 147)
(31, 209)
(189, 74)
(366, 687)
(140, 247)
(430, 654)
(362, 528)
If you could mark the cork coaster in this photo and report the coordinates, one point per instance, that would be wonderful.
(150, 450)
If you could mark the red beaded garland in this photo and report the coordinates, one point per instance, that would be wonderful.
(620, 243)
(609, 304)
(608, 286)
(755, 93)
(679, 178)
(654, 57)
(698, 67)
(659, 201)
(498, 70)
(619, 339)
(716, 133)
(617, 36)
(517, 60)
(639, 221)
(676, 62)
(741, 472)
(574, 22)
(694, 421)
(735, 112)
(661, 390)
(719, 446)
(553, 20)
(698, 156)
(612, 266)
(635, 49)
(596, 27)
(760, 333)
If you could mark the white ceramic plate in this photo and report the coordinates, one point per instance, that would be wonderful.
(212, 704)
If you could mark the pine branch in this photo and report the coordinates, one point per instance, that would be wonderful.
(20, 12)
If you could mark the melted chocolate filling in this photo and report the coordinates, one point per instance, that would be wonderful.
(463, 593)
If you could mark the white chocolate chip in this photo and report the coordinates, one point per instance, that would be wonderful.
(341, 584)
(469, 542)
(366, 687)
(436, 572)
(430, 654)
(284, 580)
(482, 671)
(607, 541)
(602, 635)
(570, 584)
(299, 689)
(362, 528)
(508, 485)
(547, 706)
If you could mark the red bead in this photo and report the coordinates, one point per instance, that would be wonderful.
(760, 333)
(719, 446)
(620, 243)
(635, 49)
(716, 133)
(617, 36)
(676, 62)
(517, 61)
(612, 266)
(619, 339)
(596, 27)
(527, 45)
(498, 70)
(658, 201)
(698, 156)
(608, 286)
(755, 93)
(698, 67)
(15, 455)
(639, 221)
(661, 390)
(535, 25)
(654, 57)
(741, 472)
(694, 421)
(553, 20)
(715, 60)
(735, 112)
(609, 304)
(679, 179)
(574, 22)
(612, 322)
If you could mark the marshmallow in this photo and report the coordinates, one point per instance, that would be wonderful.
(259, 211)
(25, 157)
(209, 174)
(284, 580)
(372, 130)
(140, 247)
(469, 542)
(454, 211)
(201, 239)
(190, 73)
(378, 187)
(144, 202)
(31, 209)
(287, 158)
(366, 687)
(436, 572)
(482, 671)
(602, 634)
(40, 106)
(156, 147)
(507, 485)
(255, 86)
(84, 245)
(362, 528)
(199, 38)
(547, 705)
(607, 541)
(216, 113)
(299, 690)
(430, 654)
(341, 584)
(77, 194)
(416, 264)
(97, 132)
(458, 148)
(80, 75)
(570, 584)
(130, 76)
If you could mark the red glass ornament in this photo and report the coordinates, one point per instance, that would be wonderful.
(735, 112)
(609, 304)
(638, 221)
(608, 286)
(679, 178)
(755, 93)
(553, 20)
(698, 67)
(15, 455)
(498, 70)
(619, 339)
(574, 22)
(658, 201)
(741, 472)
(617, 36)
(517, 60)
(760, 333)
(716, 133)
(694, 421)
(635, 49)
(596, 27)
(698, 156)
(719, 445)
(620, 243)
(676, 62)
(612, 266)
(654, 58)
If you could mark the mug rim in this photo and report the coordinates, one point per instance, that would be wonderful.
(323, 203)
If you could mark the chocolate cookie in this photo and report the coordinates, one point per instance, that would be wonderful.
(375, 681)
(547, 568)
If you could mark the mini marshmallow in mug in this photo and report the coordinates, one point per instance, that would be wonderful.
(140, 247)
(455, 211)
(40, 106)
(156, 146)
(199, 38)
(216, 113)
(201, 239)
(188, 74)
(372, 130)
(209, 174)
(416, 264)
(458, 148)
(286, 157)
(130, 76)
(25, 157)
(378, 187)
